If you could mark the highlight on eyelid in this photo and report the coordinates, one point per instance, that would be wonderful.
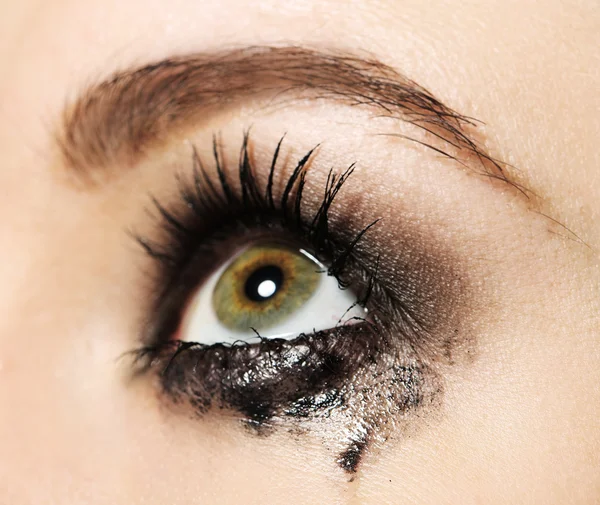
(269, 290)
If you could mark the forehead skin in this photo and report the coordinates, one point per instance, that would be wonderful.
(529, 72)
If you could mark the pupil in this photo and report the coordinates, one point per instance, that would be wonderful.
(264, 283)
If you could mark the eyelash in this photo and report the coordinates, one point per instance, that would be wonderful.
(299, 379)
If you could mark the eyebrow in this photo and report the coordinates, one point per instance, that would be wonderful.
(118, 121)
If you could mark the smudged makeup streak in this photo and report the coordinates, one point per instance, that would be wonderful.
(351, 375)
(351, 457)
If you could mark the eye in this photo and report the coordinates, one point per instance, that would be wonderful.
(246, 256)
(271, 290)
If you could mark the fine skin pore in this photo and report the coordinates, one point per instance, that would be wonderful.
(501, 258)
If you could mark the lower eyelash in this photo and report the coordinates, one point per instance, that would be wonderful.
(314, 376)
(351, 375)
(285, 373)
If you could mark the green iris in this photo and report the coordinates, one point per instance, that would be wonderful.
(263, 286)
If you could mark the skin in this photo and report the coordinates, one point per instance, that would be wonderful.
(519, 419)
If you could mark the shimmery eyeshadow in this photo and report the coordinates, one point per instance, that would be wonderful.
(351, 375)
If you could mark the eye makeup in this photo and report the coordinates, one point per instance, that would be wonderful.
(351, 383)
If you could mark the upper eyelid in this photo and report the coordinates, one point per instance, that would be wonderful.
(116, 121)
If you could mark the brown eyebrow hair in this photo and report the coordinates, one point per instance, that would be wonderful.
(120, 119)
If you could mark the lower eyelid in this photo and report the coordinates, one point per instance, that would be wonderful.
(339, 376)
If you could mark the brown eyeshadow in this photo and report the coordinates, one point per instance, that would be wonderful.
(354, 384)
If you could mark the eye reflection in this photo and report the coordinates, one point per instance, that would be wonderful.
(264, 283)
(269, 289)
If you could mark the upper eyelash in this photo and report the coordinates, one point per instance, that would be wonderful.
(184, 229)
(184, 233)
(206, 198)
